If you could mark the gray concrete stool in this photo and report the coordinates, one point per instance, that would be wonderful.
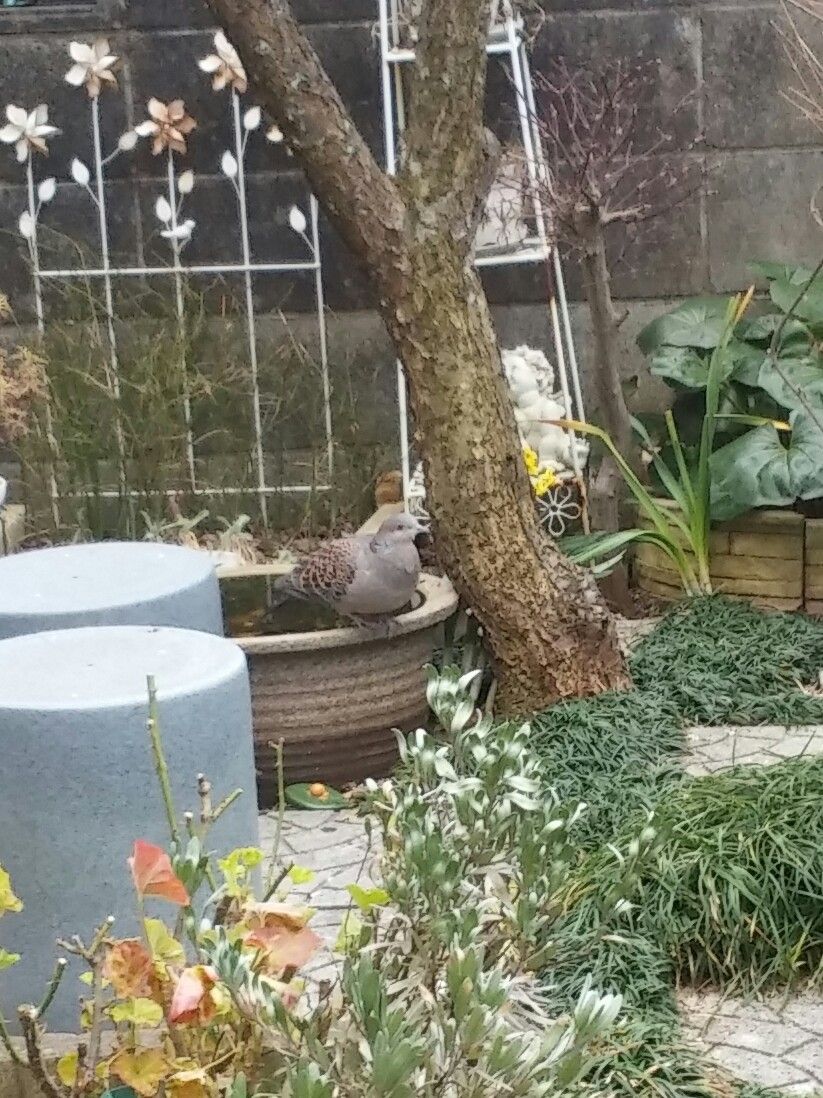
(77, 782)
(108, 583)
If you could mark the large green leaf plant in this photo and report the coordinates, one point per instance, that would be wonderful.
(768, 445)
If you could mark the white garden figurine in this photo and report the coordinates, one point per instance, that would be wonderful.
(3, 491)
(547, 448)
(531, 380)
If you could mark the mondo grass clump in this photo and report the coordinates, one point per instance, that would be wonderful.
(724, 662)
(616, 752)
(735, 898)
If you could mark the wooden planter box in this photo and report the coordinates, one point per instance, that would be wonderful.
(758, 556)
(814, 567)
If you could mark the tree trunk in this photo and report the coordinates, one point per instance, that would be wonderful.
(606, 488)
(611, 402)
(548, 632)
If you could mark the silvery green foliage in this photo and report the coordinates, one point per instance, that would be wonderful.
(440, 996)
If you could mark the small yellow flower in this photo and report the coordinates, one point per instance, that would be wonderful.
(545, 482)
(530, 457)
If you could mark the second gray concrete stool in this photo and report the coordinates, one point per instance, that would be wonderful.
(108, 583)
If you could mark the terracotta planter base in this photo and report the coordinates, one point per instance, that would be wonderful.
(334, 697)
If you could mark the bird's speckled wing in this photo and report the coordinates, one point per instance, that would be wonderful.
(328, 572)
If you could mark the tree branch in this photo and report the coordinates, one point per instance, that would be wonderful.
(289, 80)
(446, 149)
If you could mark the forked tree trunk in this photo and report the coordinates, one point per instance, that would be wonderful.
(548, 631)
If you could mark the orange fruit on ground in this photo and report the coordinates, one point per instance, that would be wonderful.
(318, 790)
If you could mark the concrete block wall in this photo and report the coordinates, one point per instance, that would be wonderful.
(760, 161)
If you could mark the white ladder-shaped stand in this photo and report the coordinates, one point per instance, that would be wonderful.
(507, 42)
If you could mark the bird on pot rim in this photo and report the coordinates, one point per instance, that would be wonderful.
(362, 576)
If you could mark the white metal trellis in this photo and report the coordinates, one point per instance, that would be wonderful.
(168, 126)
(507, 42)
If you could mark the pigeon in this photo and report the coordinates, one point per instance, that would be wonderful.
(365, 576)
(3, 488)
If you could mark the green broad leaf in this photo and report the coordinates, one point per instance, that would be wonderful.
(806, 454)
(8, 959)
(784, 293)
(750, 471)
(300, 796)
(680, 365)
(66, 1068)
(795, 337)
(236, 868)
(793, 382)
(367, 898)
(137, 1012)
(244, 857)
(787, 272)
(698, 322)
(745, 361)
(742, 400)
(8, 900)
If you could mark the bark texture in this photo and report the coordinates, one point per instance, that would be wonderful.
(606, 490)
(547, 629)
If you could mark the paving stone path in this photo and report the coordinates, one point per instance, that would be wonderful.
(773, 1043)
(336, 847)
(716, 748)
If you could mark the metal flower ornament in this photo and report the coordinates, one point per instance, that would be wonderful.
(225, 66)
(92, 68)
(27, 131)
(168, 125)
(558, 508)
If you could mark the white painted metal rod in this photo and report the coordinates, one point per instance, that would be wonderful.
(204, 268)
(296, 489)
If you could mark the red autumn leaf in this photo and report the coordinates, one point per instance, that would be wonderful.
(284, 947)
(191, 1001)
(153, 874)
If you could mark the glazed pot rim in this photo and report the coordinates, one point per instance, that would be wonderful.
(439, 602)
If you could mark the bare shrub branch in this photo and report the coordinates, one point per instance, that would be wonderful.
(806, 95)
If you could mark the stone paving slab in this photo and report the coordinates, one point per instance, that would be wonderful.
(774, 1043)
(631, 631)
(714, 748)
(336, 847)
